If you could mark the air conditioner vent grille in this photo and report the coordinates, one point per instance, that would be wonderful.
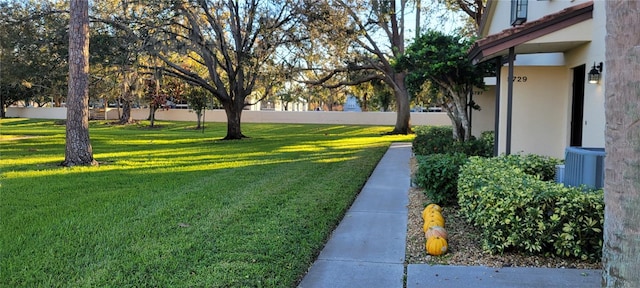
(584, 166)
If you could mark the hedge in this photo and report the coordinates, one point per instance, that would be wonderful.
(518, 211)
(439, 140)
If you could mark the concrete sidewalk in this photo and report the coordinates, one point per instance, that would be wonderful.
(367, 249)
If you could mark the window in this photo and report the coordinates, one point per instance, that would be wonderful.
(518, 11)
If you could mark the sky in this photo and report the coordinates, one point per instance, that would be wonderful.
(430, 20)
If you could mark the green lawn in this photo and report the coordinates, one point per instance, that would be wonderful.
(175, 207)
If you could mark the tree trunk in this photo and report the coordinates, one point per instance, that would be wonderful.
(78, 149)
(621, 247)
(400, 89)
(456, 124)
(199, 116)
(152, 115)
(403, 114)
(234, 113)
(457, 111)
(126, 118)
(3, 107)
(129, 79)
(465, 124)
(118, 107)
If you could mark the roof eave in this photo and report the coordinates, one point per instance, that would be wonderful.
(483, 49)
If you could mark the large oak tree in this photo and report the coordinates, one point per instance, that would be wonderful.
(364, 39)
(237, 42)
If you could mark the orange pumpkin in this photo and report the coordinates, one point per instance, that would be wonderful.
(436, 245)
(436, 231)
(431, 223)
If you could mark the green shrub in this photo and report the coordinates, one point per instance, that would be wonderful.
(440, 157)
(474, 147)
(438, 175)
(439, 140)
(487, 140)
(536, 165)
(518, 211)
(433, 140)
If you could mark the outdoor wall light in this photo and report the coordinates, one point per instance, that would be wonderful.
(594, 74)
(519, 12)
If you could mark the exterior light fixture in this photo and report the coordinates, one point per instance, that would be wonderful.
(519, 12)
(594, 74)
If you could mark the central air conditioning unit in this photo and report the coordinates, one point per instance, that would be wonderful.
(559, 174)
(584, 166)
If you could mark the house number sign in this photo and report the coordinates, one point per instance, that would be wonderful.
(519, 78)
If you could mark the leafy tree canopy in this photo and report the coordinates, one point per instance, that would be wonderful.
(441, 61)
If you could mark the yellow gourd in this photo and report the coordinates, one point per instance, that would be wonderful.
(436, 216)
(431, 223)
(434, 206)
(436, 245)
(431, 208)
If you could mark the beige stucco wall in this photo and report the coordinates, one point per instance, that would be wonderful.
(542, 105)
(33, 112)
(539, 111)
(579, 32)
(539, 9)
(593, 126)
(484, 119)
(311, 117)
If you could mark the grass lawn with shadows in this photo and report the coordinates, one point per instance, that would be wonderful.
(173, 206)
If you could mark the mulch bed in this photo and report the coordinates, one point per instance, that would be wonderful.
(465, 248)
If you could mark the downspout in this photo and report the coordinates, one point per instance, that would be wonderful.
(496, 124)
(509, 100)
(470, 109)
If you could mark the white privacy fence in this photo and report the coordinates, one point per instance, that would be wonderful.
(303, 117)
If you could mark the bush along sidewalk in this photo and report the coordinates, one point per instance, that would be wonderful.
(516, 209)
(439, 158)
(439, 140)
(438, 175)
